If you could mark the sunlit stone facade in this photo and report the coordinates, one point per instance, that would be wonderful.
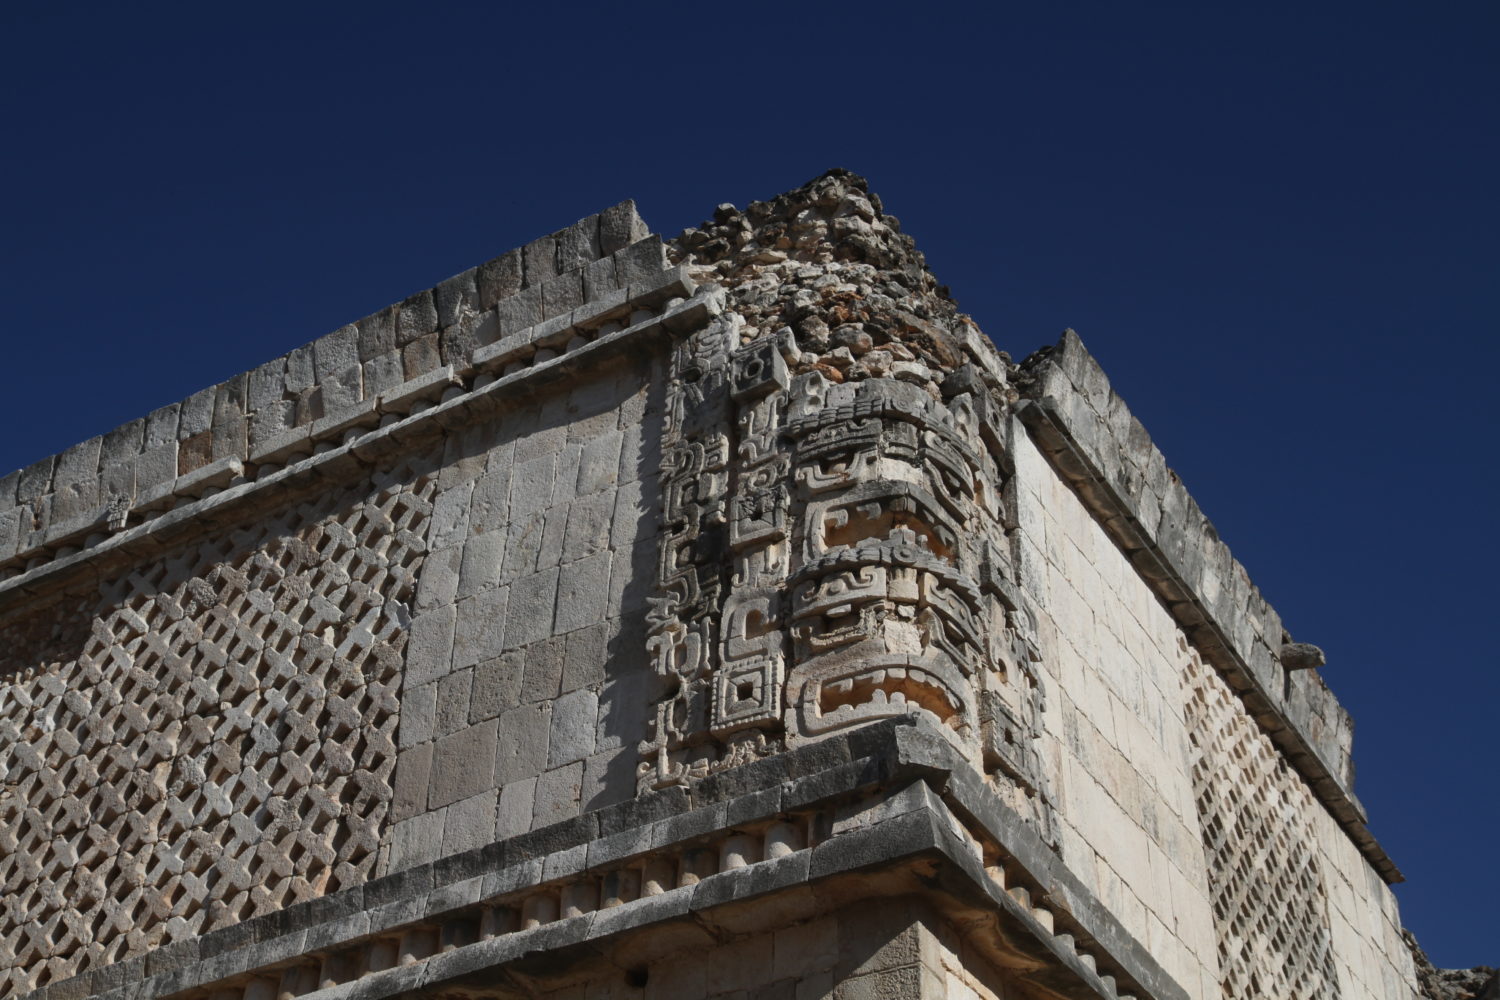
(719, 617)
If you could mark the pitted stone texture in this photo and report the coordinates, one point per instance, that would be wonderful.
(812, 511)
(827, 264)
(523, 667)
(1479, 983)
(208, 739)
(833, 492)
(292, 404)
(1270, 904)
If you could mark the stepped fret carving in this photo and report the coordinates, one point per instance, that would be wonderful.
(835, 554)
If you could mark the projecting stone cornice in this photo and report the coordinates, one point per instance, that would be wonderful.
(881, 812)
(492, 317)
(494, 376)
(1103, 452)
(617, 603)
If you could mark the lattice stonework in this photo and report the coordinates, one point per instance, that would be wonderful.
(1270, 907)
(207, 738)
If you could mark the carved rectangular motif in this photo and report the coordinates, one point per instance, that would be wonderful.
(759, 370)
(747, 693)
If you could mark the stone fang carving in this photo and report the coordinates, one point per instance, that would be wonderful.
(835, 554)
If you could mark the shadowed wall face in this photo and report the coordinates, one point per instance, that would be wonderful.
(525, 688)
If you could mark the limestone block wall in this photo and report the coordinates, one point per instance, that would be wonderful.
(370, 635)
(1264, 864)
(317, 392)
(1367, 934)
(900, 949)
(524, 693)
(1297, 910)
(1244, 863)
(808, 959)
(209, 735)
(1115, 736)
(581, 599)
(1149, 512)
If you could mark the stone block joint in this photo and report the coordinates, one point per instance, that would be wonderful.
(624, 618)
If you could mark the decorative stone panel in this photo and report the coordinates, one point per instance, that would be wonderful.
(1270, 905)
(210, 737)
(834, 554)
(199, 794)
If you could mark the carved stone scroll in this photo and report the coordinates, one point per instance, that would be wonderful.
(835, 554)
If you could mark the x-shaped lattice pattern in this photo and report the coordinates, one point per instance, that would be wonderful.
(1270, 907)
(207, 739)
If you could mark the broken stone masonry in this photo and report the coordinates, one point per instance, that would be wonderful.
(722, 617)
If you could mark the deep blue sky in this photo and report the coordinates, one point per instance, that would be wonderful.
(1275, 225)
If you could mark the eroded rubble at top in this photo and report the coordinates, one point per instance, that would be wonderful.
(825, 269)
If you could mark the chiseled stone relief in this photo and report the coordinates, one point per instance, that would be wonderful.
(862, 527)
(836, 543)
(211, 736)
(810, 525)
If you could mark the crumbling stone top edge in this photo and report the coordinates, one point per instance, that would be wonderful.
(323, 384)
(826, 270)
(1148, 510)
(590, 240)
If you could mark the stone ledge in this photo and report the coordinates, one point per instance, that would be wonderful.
(465, 396)
(1088, 434)
(554, 334)
(867, 799)
(268, 413)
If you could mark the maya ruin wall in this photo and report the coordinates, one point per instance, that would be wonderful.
(624, 618)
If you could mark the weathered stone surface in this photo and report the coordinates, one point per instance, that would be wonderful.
(413, 775)
(192, 666)
(1300, 656)
(522, 743)
(463, 764)
(691, 594)
(574, 717)
(533, 603)
(1479, 983)
(497, 686)
(430, 652)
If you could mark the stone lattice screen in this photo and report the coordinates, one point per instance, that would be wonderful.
(210, 736)
(1269, 902)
